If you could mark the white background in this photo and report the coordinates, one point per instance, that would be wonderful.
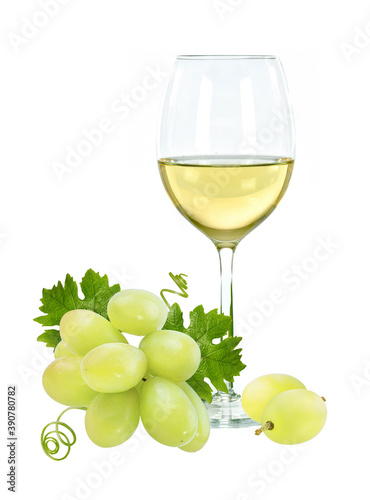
(111, 213)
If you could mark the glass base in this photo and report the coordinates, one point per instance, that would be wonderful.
(226, 411)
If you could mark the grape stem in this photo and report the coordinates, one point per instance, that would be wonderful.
(267, 427)
(324, 399)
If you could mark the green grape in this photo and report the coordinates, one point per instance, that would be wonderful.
(62, 350)
(113, 367)
(167, 413)
(172, 355)
(63, 382)
(111, 419)
(293, 417)
(82, 330)
(258, 393)
(203, 430)
(137, 311)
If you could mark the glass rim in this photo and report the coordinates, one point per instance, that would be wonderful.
(225, 57)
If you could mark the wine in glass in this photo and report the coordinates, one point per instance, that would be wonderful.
(225, 155)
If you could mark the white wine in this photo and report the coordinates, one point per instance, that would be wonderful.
(226, 197)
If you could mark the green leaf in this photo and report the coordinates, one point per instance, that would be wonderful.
(175, 320)
(63, 298)
(50, 337)
(97, 292)
(220, 362)
(57, 301)
(201, 387)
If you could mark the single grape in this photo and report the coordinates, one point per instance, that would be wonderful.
(203, 430)
(111, 419)
(137, 311)
(82, 330)
(167, 413)
(113, 367)
(171, 355)
(293, 417)
(62, 350)
(259, 392)
(63, 382)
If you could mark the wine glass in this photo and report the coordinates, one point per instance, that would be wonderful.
(225, 154)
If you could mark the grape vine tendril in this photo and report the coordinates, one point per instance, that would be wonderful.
(61, 437)
(181, 283)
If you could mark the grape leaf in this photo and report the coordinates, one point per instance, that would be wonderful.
(220, 361)
(97, 292)
(57, 301)
(175, 320)
(50, 337)
(63, 298)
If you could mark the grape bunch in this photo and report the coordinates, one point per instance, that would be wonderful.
(288, 412)
(98, 370)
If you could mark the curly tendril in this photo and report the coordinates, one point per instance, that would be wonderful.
(51, 441)
(181, 283)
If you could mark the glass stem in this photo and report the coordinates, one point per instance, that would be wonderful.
(226, 256)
